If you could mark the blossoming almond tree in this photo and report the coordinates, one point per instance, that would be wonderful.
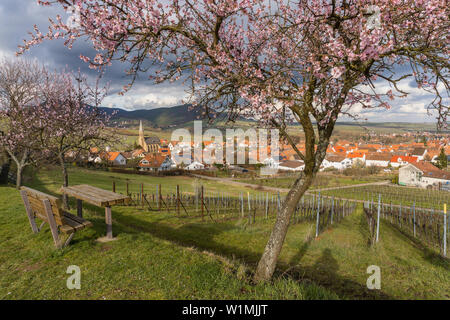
(306, 60)
(19, 83)
(69, 118)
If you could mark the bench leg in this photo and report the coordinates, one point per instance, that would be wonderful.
(69, 239)
(30, 214)
(52, 223)
(80, 208)
(108, 218)
(40, 227)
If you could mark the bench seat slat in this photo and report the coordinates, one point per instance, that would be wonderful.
(80, 220)
(74, 223)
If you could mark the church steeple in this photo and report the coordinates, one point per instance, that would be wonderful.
(142, 142)
(141, 130)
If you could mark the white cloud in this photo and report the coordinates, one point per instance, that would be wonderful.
(148, 97)
(412, 108)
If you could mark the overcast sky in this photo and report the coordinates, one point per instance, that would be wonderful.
(18, 17)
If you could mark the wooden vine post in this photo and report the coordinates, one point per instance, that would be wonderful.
(202, 205)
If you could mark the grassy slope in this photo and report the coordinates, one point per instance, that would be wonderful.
(140, 265)
(154, 258)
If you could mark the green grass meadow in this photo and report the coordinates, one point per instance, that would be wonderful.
(158, 255)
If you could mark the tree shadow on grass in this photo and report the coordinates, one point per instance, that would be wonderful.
(363, 228)
(428, 254)
(324, 272)
(295, 260)
(201, 236)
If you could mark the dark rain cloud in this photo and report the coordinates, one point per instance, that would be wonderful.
(17, 18)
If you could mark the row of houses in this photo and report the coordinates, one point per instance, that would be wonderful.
(164, 159)
(340, 162)
(153, 161)
(159, 154)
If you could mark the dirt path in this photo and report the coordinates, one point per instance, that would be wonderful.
(354, 185)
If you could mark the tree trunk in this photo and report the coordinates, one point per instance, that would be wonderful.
(19, 176)
(65, 181)
(5, 169)
(267, 264)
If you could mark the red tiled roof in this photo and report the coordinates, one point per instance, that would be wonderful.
(339, 149)
(113, 156)
(352, 155)
(378, 156)
(431, 171)
(409, 159)
(155, 160)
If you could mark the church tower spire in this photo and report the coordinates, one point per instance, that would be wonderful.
(141, 141)
(141, 130)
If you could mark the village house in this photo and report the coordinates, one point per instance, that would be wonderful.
(339, 149)
(151, 162)
(128, 155)
(117, 158)
(336, 161)
(423, 174)
(112, 158)
(419, 153)
(357, 157)
(398, 161)
(291, 165)
(138, 153)
(168, 164)
(378, 159)
(195, 166)
(93, 155)
(274, 161)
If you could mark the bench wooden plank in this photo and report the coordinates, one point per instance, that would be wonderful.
(77, 220)
(52, 223)
(83, 195)
(29, 210)
(41, 194)
(95, 196)
(40, 211)
(106, 194)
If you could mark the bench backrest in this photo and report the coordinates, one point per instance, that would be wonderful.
(36, 198)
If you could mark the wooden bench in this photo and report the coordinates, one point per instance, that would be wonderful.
(48, 208)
